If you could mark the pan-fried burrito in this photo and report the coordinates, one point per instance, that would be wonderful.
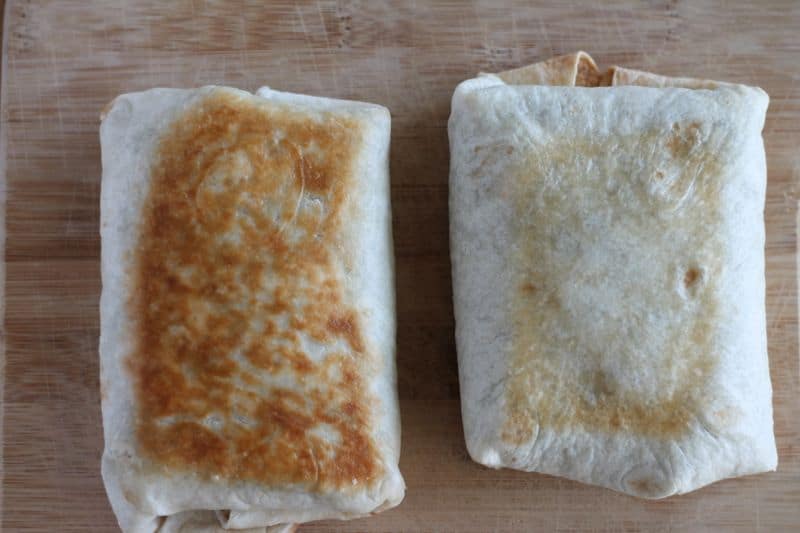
(247, 313)
(607, 241)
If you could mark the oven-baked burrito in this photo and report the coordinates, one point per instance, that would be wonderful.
(607, 241)
(247, 313)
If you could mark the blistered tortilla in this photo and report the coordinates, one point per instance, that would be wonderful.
(247, 313)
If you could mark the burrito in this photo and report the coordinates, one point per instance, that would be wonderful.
(247, 312)
(607, 244)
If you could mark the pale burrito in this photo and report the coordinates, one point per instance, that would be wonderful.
(247, 313)
(607, 242)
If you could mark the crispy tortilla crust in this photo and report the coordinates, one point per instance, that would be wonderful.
(238, 270)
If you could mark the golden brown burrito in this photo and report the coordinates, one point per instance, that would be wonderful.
(607, 241)
(247, 312)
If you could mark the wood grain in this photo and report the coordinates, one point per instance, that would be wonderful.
(65, 60)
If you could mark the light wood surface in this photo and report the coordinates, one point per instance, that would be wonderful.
(64, 60)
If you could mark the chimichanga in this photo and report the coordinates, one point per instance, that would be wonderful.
(607, 242)
(247, 313)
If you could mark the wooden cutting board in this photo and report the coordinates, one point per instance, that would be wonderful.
(62, 61)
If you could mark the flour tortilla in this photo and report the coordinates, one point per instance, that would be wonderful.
(608, 273)
(208, 522)
(574, 70)
(350, 359)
